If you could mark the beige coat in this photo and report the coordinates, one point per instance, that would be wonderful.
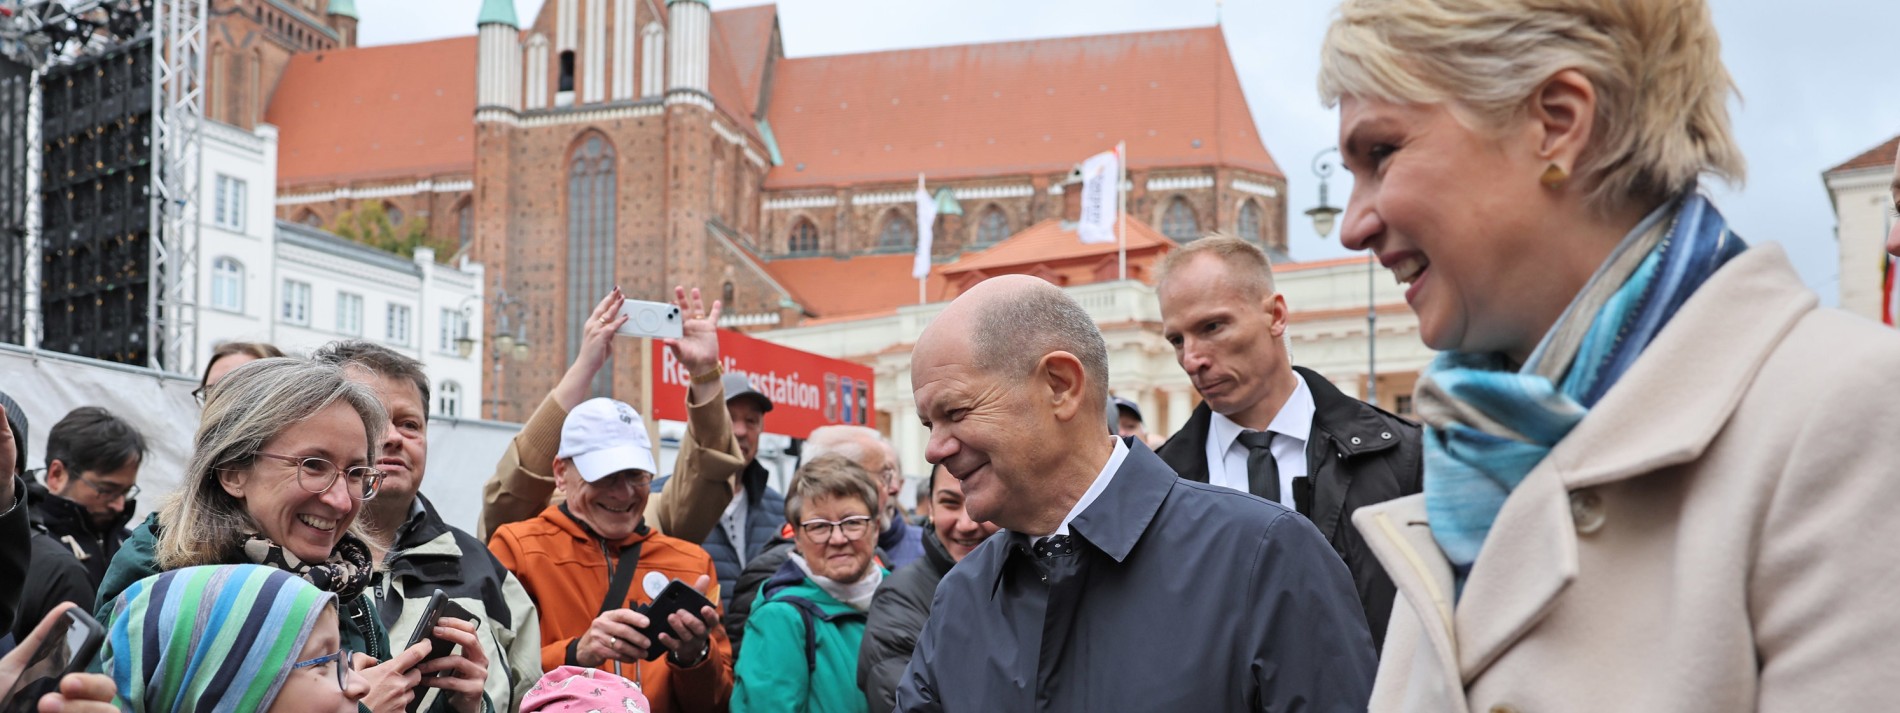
(1721, 533)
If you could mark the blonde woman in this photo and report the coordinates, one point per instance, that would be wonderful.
(280, 472)
(1658, 476)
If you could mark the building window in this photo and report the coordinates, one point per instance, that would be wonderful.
(1403, 405)
(297, 303)
(395, 214)
(726, 292)
(1248, 226)
(567, 72)
(454, 325)
(349, 313)
(804, 240)
(448, 399)
(465, 222)
(993, 228)
(227, 285)
(396, 325)
(1179, 222)
(228, 208)
(310, 218)
(899, 233)
(590, 243)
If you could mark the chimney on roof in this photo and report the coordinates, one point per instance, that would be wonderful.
(689, 42)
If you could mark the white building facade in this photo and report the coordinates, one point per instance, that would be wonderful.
(1327, 334)
(1863, 212)
(260, 279)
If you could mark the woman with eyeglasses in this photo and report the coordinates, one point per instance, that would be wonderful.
(280, 472)
(232, 637)
(801, 642)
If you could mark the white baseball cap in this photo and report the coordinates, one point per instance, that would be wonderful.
(604, 437)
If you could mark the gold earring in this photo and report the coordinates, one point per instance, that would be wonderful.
(1553, 176)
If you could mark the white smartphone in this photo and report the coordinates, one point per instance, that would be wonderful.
(659, 320)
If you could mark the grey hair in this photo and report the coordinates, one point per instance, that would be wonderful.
(832, 476)
(1011, 336)
(201, 524)
(848, 441)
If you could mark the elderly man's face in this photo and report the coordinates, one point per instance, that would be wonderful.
(985, 430)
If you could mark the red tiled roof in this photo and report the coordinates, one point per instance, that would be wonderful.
(867, 284)
(1012, 107)
(1877, 157)
(1049, 241)
(746, 33)
(376, 112)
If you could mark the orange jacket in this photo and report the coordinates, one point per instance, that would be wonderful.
(566, 569)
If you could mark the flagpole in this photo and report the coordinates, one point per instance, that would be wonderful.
(920, 229)
(1121, 207)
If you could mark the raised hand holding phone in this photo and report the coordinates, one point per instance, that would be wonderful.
(42, 674)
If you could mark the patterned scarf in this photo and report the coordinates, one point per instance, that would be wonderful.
(1488, 425)
(214, 639)
(345, 574)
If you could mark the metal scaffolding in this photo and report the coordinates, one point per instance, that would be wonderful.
(179, 57)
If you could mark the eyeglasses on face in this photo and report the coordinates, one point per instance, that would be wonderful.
(343, 665)
(316, 475)
(111, 491)
(638, 480)
(819, 530)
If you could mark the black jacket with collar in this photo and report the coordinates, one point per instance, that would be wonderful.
(70, 524)
(897, 616)
(1358, 455)
(1181, 597)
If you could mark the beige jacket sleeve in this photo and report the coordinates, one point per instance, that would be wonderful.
(523, 484)
(704, 474)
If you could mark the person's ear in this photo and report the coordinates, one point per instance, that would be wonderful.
(56, 475)
(1064, 378)
(1564, 110)
(561, 475)
(233, 481)
(1277, 315)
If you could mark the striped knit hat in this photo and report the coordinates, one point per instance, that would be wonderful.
(216, 638)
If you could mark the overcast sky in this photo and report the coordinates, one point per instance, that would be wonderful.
(1819, 79)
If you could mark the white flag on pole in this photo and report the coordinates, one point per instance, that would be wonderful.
(1100, 174)
(926, 219)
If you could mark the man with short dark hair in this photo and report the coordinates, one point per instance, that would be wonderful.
(428, 553)
(1272, 429)
(90, 485)
(1116, 585)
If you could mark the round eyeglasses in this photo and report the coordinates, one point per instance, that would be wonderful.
(316, 475)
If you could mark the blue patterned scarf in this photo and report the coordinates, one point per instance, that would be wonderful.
(1488, 425)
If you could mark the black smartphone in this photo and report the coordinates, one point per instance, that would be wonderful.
(68, 648)
(677, 596)
(439, 606)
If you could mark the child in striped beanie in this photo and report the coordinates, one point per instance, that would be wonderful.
(228, 638)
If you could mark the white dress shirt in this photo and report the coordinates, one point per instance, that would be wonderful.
(1095, 488)
(1292, 426)
(733, 522)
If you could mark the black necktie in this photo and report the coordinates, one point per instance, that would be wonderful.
(1053, 546)
(1263, 472)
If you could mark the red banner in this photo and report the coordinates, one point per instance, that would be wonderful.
(807, 390)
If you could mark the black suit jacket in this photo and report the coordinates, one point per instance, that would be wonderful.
(1358, 455)
(1182, 597)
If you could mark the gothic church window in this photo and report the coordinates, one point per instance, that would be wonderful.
(1179, 222)
(804, 240)
(590, 244)
(465, 222)
(567, 72)
(898, 233)
(993, 228)
(1248, 225)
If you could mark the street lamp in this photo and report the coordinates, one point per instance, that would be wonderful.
(1323, 216)
(509, 343)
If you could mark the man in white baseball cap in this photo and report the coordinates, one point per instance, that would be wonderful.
(594, 553)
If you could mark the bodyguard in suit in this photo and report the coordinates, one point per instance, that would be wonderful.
(1269, 428)
(1114, 585)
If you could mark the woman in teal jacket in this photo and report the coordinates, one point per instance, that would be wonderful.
(801, 643)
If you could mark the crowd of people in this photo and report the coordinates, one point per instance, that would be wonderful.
(1650, 474)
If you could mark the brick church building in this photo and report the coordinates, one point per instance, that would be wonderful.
(647, 143)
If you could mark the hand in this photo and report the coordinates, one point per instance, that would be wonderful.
(698, 345)
(392, 683)
(461, 676)
(696, 631)
(79, 692)
(614, 636)
(597, 343)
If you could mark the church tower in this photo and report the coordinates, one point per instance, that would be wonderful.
(342, 19)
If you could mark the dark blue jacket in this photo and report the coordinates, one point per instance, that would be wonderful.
(1181, 597)
(765, 514)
